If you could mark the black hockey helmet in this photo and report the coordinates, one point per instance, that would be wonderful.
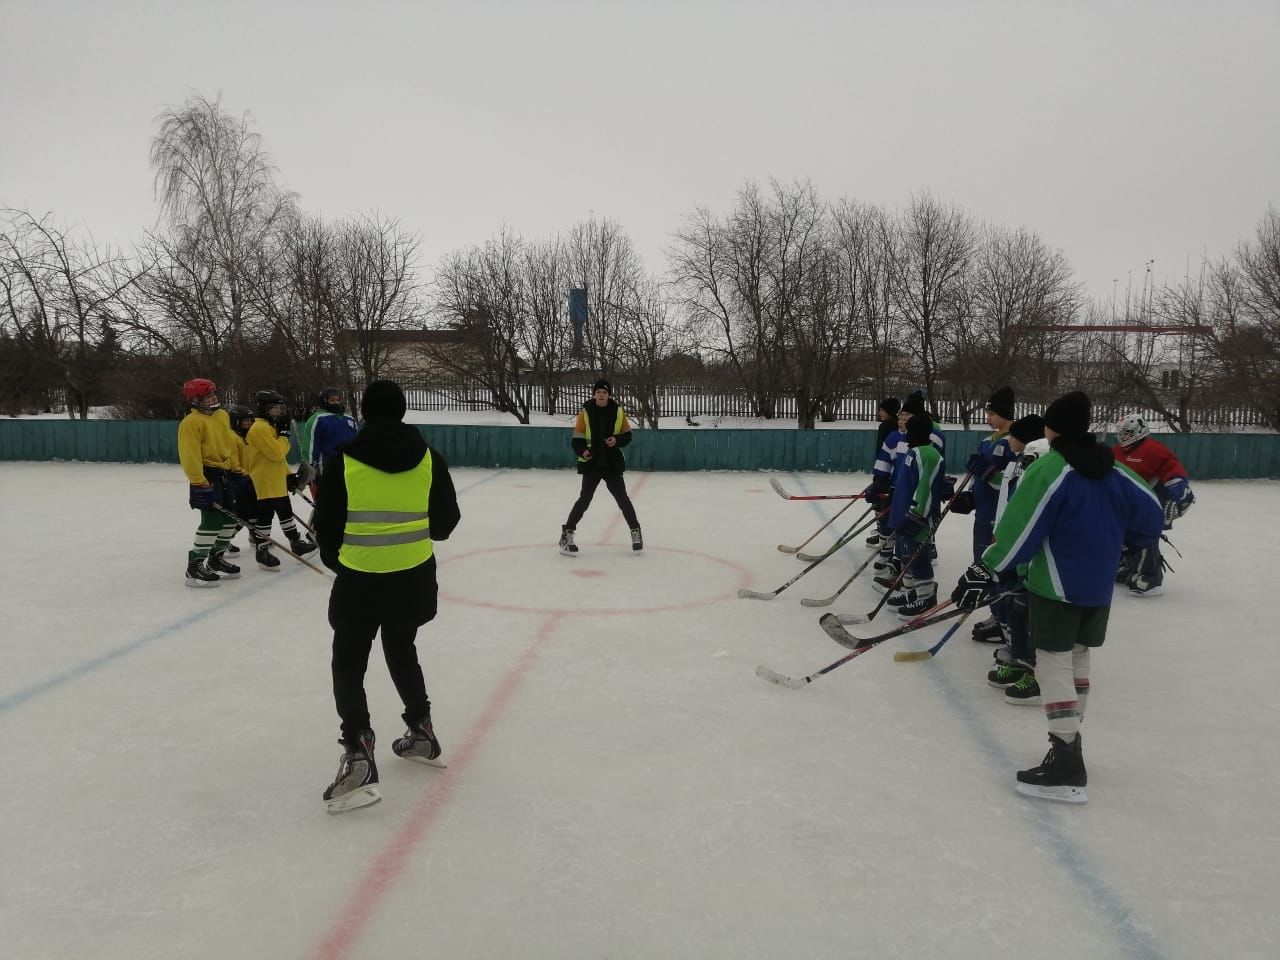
(266, 399)
(239, 413)
(330, 398)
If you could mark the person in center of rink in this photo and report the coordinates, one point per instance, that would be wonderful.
(384, 500)
(599, 434)
(1073, 509)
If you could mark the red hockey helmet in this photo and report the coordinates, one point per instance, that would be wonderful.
(196, 390)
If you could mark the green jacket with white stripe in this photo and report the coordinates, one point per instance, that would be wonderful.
(1073, 510)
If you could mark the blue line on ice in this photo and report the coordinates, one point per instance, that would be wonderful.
(1135, 940)
(19, 697)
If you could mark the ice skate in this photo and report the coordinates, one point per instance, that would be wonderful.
(356, 784)
(1061, 775)
(266, 559)
(419, 744)
(218, 564)
(567, 546)
(199, 575)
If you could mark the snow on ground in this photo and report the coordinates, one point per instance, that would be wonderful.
(620, 783)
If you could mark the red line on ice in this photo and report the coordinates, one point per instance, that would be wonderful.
(390, 863)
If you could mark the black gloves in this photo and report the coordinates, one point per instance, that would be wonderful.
(976, 588)
(202, 497)
(962, 502)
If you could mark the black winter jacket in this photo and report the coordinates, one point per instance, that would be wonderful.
(406, 596)
(605, 460)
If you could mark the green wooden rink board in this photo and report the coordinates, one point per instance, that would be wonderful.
(1207, 456)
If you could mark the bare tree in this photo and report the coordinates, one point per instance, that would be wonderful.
(546, 338)
(217, 188)
(1009, 316)
(480, 293)
(1246, 320)
(603, 260)
(374, 290)
(724, 272)
(863, 254)
(932, 248)
(68, 289)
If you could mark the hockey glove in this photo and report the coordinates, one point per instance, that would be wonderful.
(283, 425)
(202, 496)
(306, 473)
(291, 482)
(976, 464)
(963, 502)
(913, 526)
(975, 588)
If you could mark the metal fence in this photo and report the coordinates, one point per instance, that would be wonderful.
(694, 400)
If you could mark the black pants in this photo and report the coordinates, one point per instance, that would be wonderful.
(617, 486)
(351, 646)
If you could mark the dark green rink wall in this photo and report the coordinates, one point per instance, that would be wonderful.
(1207, 456)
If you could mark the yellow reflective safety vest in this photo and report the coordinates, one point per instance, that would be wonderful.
(617, 429)
(388, 528)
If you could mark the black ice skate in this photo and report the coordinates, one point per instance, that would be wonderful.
(988, 631)
(218, 564)
(356, 784)
(266, 559)
(1061, 775)
(922, 597)
(637, 539)
(419, 744)
(567, 546)
(300, 545)
(882, 583)
(875, 541)
(199, 575)
(232, 551)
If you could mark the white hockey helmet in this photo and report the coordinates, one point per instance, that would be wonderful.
(1131, 429)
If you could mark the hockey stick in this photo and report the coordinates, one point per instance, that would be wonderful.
(782, 492)
(272, 541)
(897, 581)
(831, 627)
(827, 601)
(786, 549)
(846, 538)
(797, 683)
(904, 656)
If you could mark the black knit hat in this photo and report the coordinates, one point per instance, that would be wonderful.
(919, 428)
(602, 384)
(914, 404)
(1001, 403)
(382, 400)
(1069, 415)
(1030, 427)
(890, 405)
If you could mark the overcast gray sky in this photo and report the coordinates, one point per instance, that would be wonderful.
(1120, 131)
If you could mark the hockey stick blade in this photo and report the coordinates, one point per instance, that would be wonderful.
(824, 602)
(830, 624)
(852, 617)
(779, 489)
(907, 656)
(782, 547)
(792, 683)
(744, 594)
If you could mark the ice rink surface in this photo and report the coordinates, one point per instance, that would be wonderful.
(620, 783)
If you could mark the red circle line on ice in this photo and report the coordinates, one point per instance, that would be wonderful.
(743, 580)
